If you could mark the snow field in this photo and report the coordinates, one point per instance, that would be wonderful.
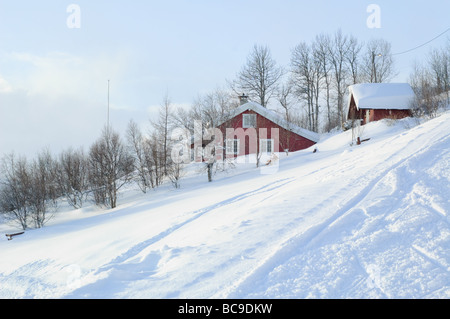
(367, 221)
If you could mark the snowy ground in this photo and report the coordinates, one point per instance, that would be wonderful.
(368, 221)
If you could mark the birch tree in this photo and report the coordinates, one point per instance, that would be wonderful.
(162, 127)
(322, 45)
(338, 52)
(307, 75)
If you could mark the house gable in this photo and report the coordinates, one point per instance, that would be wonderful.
(289, 136)
(252, 107)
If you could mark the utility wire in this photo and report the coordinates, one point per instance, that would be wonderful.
(423, 44)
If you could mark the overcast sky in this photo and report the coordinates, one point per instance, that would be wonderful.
(54, 67)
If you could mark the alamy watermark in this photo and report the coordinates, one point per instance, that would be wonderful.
(250, 145)
(74, 19)
(374, 19)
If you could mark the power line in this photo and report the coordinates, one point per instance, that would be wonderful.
(423, 43)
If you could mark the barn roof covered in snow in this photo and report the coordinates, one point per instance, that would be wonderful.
(388, 96)
(275, 118)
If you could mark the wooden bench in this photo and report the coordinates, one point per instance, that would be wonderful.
(10, 236)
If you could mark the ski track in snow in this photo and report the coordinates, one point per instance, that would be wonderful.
(363, 222)
(312, 238)
(119, 263)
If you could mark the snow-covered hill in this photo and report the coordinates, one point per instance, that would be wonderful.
(367, 221)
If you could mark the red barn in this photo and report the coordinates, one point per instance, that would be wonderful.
(375, 101)
(252, 129)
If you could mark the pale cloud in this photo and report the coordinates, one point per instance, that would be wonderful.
(57, 74)
(59, 100)
(55, 100)
(5, 87)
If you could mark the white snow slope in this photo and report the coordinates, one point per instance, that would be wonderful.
(367, 221)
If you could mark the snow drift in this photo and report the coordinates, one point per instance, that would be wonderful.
(367, 221)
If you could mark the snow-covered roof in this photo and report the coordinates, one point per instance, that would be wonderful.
(394, 96)
(275, 118)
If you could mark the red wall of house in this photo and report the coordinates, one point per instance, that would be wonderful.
(287, 139)
(377, 115)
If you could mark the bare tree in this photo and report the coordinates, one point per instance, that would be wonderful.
(322, 45)
(176, 172)
(154, 158)
(140, 150)
(15, 191)
(213, 108)
(427, 100)
(72, 176)
(431, 83)
(353, 58)
(149, 162)
(28, 190)
(285, 98)
(439, 63)
(377, 62)
(338, 52)
(322, 71)
(306, 70)
(45, 191)
(259, 76)
(184, 118)
(317, 85)
(110, 166)
(163, 125)
(208, 111)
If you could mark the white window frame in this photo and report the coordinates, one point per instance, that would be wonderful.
(263, 143)
(248, 120)
(367, 116)
(232, 146)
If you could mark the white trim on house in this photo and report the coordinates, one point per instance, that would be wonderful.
(232, 146)
(248, 120)
(266, 146)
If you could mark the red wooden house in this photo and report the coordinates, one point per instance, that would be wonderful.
(252, 129)
(370, 102)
